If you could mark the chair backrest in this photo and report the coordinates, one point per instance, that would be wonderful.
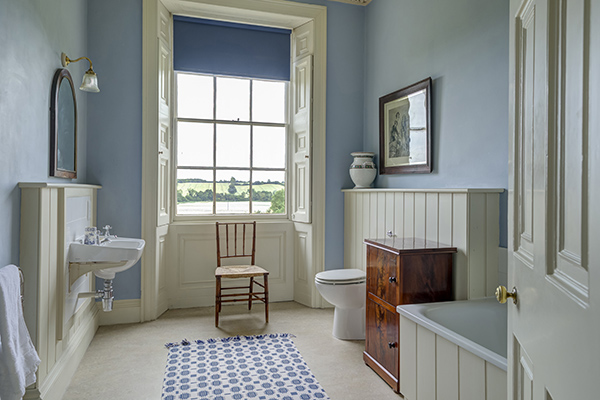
(236, 239)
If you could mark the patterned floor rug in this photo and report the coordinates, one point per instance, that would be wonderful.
(262, 367)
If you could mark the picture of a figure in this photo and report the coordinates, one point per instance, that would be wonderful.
(399, 139)
(405, 130)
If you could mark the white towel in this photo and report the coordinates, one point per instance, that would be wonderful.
(18, 358)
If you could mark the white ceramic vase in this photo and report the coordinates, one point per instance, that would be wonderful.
(363, 169)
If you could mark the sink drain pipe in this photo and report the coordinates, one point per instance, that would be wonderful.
(106, 295)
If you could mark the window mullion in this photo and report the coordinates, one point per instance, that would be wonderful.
(214, 205)
(251, 148)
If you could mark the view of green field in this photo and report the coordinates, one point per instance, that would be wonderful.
(223, 187)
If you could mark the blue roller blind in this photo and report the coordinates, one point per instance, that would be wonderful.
(224, 48)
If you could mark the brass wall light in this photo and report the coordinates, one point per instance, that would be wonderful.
(90, 79)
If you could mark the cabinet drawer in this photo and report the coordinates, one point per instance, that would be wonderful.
(382, 275)
(382, 338)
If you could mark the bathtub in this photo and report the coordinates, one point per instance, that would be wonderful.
(453, 350)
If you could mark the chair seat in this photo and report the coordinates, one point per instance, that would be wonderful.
(240, 271)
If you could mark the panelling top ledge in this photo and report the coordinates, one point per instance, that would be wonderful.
(445, 190)
(24, 185)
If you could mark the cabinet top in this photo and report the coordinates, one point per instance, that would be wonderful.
(410, 245)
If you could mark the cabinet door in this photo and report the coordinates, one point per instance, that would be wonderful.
(382, 275)
(382, 339)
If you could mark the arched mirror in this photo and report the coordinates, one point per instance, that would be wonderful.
(63, 127)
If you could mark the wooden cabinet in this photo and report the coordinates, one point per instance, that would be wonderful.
(400, 271)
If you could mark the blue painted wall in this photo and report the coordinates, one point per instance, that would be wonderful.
(372, 51)
(32, 36)
(463, 46)
(115, 139)
(115, 124)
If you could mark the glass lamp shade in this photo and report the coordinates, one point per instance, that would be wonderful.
(90, 82)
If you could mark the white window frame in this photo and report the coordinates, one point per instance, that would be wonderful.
(225, 216)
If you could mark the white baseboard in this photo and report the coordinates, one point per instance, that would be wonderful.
(56, 383)
(123, 312)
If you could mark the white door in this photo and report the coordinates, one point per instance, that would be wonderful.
(554, 188)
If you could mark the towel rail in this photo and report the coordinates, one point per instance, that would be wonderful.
(22, 278)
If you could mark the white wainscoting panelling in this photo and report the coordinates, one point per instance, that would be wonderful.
(60, 325)
(433, 368)
(191, 281)
(467, 219)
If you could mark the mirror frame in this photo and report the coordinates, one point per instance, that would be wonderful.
(60, 75)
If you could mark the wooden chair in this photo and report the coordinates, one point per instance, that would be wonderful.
(238, 242)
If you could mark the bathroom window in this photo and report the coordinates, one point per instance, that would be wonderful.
(231, 141)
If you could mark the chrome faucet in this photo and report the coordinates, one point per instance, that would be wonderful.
(107, 236)
(107, 229)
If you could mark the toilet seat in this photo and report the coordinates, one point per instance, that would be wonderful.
(341, 277)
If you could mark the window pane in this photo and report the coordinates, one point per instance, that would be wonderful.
(268, 192)
(194, 144)
(194, 96)
(268, 101)
(233, 99)
(194, 192)
(233, 145)
(233, 192)
(268, 147)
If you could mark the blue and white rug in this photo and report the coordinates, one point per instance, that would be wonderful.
(262, 367)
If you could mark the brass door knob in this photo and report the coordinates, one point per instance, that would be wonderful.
(502, 294)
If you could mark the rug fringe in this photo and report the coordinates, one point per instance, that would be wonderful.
(186, 342)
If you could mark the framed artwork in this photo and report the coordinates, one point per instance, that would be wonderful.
(405, 130)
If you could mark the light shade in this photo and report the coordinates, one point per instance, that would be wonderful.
(89, 82)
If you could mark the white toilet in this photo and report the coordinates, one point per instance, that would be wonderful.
(346, 290)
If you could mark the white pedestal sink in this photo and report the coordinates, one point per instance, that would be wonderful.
(104, 260)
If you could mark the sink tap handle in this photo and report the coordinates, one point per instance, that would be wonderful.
(107, 229)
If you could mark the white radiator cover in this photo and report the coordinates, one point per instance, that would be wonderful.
(467, 219)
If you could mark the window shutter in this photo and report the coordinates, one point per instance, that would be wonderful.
(301, 170)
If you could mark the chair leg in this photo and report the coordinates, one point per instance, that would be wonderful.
(266, 280)
(217, 301)
(250, 293)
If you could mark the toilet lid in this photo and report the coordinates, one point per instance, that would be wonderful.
(341, 276)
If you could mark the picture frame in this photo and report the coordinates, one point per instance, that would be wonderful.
(405, 130)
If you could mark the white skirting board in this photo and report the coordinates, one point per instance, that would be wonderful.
(123, 312)
(57, 381)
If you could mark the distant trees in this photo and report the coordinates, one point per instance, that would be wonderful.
(277, 202)
(235, 191)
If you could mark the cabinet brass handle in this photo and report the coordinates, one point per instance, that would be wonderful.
(392, 345)
(392, 279)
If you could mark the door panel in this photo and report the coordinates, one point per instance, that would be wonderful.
(553, 179)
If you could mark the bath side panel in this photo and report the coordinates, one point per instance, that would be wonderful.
(446, 369)
(471, 376)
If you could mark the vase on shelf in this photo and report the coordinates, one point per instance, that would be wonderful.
(363, 169)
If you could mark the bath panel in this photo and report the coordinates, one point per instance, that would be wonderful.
(438, 363)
